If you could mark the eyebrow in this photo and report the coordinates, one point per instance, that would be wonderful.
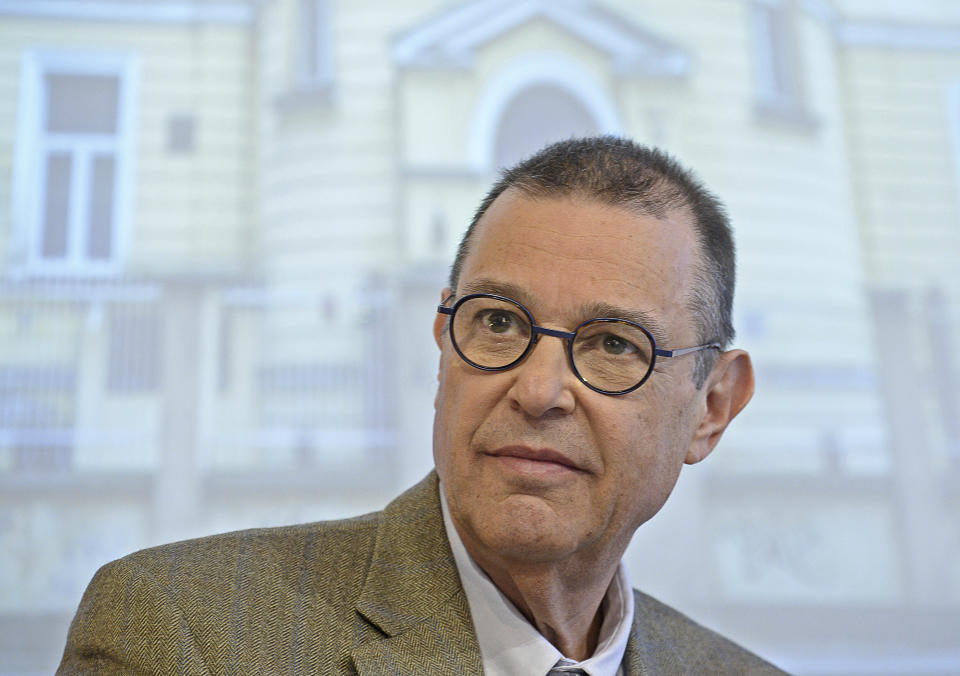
(484, 285)
(645, 319)
(591, 310)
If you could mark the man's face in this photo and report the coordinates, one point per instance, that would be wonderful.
(536, 466)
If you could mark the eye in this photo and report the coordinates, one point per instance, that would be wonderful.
(616, 345)
(498, 321)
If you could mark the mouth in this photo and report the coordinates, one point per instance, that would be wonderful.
(536, 461)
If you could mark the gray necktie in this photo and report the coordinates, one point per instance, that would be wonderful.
(565, 667)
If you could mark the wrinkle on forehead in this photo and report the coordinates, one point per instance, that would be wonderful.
(676, 232)
(538, 237)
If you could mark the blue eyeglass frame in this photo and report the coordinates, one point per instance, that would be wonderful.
(537, 331)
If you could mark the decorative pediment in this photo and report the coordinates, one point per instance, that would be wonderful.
(452, 38)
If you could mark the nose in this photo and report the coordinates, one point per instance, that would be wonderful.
(544, 381)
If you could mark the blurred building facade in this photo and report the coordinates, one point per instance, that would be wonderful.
(224, 228)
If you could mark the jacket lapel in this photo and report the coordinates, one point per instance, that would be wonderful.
(633, 662)
(412, 594)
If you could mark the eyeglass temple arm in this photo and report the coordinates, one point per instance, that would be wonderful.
(685, 350)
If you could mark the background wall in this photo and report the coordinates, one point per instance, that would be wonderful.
(224, 227)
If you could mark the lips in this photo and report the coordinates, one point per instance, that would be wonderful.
(546, 457)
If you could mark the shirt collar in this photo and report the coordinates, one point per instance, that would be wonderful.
(510, 645)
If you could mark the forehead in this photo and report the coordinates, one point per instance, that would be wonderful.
(572, 251)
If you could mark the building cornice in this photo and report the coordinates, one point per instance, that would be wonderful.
(433, 44)
(888, 34)
(235, 13)
(898, 36)
(451, 38)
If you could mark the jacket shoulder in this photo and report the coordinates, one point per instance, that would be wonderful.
(677, 644)
(326, 548)
(241, 598)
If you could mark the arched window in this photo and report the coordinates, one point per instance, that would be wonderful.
(535, 116)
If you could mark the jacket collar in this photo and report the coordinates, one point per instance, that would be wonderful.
(412, 593)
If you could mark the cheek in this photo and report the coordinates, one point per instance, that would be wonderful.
(441, 381)
(456, 411)
(647, 478)
(469, 403)
(652, 449)
(441, 416)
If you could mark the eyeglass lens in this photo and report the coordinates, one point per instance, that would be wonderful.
(609, 355)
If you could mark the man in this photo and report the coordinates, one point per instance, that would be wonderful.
(583, 362)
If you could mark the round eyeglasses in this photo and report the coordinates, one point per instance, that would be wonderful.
(608, 355)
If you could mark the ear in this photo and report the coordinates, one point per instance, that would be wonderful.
(440, 321)
(728, 389)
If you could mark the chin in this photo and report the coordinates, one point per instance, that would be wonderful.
(529, 532)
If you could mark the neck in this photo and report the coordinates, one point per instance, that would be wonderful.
(562, 601)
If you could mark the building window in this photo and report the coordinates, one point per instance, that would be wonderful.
(37, 408)
(314, 68)
(777, 72)
(135, 353)
(72, 161)
(538, 115)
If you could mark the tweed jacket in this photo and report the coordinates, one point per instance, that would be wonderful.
(377, 594)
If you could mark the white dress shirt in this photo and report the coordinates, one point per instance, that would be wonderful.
(511, 646)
